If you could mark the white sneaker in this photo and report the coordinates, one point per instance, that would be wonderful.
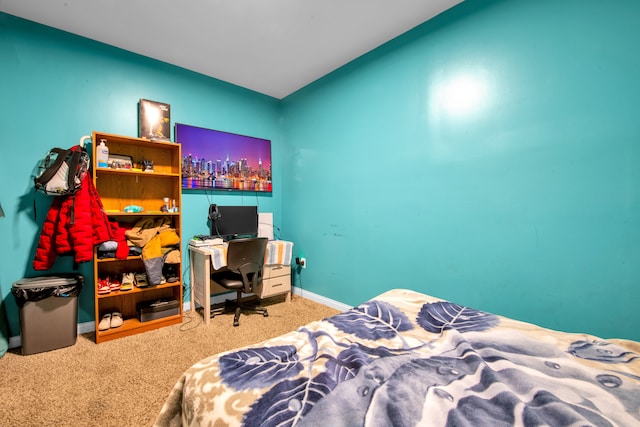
(127, 282)
(116, 319)
(105, 323)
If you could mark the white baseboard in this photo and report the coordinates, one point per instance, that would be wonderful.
(87, 327)
(321, 300)
(14, 342)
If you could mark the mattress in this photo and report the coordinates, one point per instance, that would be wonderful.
(408, 359)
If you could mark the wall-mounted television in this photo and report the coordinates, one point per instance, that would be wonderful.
(217, 160)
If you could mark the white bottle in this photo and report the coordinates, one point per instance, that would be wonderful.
(102, 154)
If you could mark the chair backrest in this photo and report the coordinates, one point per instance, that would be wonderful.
(246, 258)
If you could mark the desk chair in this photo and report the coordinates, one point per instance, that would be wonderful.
(245, 260)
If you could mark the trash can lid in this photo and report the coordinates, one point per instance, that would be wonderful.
(39, 288)
(52, 281)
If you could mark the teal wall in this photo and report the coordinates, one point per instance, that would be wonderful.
(56, 87)
(522, 199)
(490, 157)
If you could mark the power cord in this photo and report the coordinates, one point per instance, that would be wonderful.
(299, 274)
(191, 316)
(190, 320)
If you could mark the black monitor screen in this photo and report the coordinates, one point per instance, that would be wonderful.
(232, 222)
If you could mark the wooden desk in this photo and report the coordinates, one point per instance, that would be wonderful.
(201, 289)
(276, 277)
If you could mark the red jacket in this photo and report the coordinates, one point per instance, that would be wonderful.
(74, 225)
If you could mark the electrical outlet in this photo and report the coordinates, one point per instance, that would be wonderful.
(303, 262)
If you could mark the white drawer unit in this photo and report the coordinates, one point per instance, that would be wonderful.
(276, 280)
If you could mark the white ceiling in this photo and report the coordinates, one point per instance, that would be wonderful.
(274, 47)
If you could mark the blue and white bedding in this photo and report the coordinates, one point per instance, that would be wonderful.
(408, 359)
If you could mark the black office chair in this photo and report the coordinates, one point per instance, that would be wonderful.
(245, 260)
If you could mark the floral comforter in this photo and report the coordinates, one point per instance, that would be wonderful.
(408, 359)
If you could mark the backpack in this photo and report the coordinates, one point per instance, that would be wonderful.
(61, 172)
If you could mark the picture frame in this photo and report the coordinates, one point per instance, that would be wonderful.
(223, 161)
(154, 120)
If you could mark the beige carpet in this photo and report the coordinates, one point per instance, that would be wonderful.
(125, 382)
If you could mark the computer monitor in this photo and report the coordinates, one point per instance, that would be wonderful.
(233, 222)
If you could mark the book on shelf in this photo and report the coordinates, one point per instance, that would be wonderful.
(154, 120)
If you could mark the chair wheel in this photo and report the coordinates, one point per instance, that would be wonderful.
(236, 323)
(265, 314)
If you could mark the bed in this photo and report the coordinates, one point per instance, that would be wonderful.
(408, 359)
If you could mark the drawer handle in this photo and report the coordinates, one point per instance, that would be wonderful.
(276, 285)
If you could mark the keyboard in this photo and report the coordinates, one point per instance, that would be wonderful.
(205, 240)
(203, 237)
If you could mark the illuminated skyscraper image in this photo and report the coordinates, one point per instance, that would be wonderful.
(247, 164)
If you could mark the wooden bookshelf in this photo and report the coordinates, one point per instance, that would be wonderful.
(119, 188)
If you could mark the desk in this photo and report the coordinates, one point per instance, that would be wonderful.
(276, 274)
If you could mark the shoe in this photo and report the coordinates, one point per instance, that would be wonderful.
(170, 271)
(105, 323)
(116, 319)
(141, 280)
(114, 285)
(127, 282)
(103, 286)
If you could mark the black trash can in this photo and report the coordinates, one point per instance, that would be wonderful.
(48, 311)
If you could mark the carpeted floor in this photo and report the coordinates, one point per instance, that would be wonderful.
(125, 382)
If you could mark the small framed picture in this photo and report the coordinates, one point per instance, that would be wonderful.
(119, 161)
(154, 120)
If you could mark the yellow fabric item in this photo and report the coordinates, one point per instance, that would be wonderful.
(153, 248)
(169, 238)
